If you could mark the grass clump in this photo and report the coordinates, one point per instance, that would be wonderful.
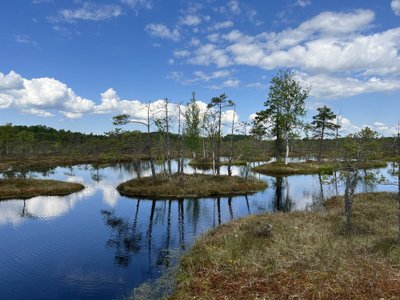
(299, 255)
(27, 188)
(207, 163)
(191, 186)
(310, 167)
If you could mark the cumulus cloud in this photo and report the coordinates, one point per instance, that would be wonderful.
(190, 20)
(330, 46)
(162, 31)
(210, 53)
(396, 7)
(326, 86)
(38, 95)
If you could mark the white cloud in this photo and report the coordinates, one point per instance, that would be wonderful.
(181, 53)
(190, 20)
(38, 112)
(24, 39)
(214, 75)
(382, 128)
(330, 46)
(199, 76)
(38, 95)
(147, 4)
(303, 3)
(221, 25)
(230, 83)
(88, 12)
(162, 31)
(10, 81)
(208, 54)
(214, 37)
(347, 126)
(396, 7)
(326, 86)
(234, 7)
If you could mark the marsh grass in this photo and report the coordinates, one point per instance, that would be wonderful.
(305, 255)
(309, 167)
(207, 163)
(27, 188)
(192, 186)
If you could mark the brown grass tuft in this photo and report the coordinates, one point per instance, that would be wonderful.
(305, 256)
(27, 188)
(192, 186)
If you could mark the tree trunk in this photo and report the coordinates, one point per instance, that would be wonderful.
(204, 148)
(398, 197)
(231, 145)
(351, 183)
(150, 143)
(217, 158)
(287, 148)
(168, 147)
(180, 130)
(321, 143)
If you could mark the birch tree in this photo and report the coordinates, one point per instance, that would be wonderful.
(285, 109)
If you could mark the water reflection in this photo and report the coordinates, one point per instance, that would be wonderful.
(127, 240)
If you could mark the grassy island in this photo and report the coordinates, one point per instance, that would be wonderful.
(27, 188)
(207, 163)
(302, 255)
(192, 186)
(309, 167)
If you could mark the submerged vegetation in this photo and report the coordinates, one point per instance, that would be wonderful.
(190, 186)
(27, 188)
(303, 255)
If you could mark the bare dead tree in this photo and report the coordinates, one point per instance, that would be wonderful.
(124, 119)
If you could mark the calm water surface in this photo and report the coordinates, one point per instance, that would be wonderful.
(96, 244)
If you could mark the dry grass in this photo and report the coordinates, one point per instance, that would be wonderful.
(309, 167)
(306, 255)
(192, 186)
(27, 188)
(207, 163)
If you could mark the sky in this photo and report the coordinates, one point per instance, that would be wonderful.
(75, 64)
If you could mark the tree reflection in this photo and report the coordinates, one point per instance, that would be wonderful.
(247, 204)
(230, 207)
(125, 238)
(283, 201)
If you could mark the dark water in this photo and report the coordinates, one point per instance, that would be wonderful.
(96, 244)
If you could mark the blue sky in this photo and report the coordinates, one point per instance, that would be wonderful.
(75, 64)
